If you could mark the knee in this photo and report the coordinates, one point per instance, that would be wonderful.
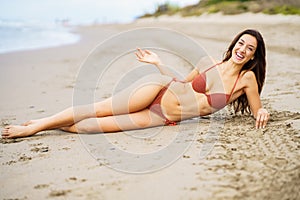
(141, 122)
(103, 109)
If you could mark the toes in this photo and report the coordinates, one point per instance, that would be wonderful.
(7, 137)
(9, 127)
(5, 134)
(4, 131)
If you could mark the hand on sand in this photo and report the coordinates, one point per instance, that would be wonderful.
(262, 118)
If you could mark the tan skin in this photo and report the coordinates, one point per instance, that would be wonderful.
(129, 109)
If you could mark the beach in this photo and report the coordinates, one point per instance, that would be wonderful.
(235, 162)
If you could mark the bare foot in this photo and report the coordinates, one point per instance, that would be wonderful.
(30, 122)
(16, 131)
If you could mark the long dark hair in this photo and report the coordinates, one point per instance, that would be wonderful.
(257, 65)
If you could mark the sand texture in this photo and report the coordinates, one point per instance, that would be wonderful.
(219, 157)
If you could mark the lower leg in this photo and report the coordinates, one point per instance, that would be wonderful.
(67, 117)
(136, 97)
(138, 120)
(62, 119)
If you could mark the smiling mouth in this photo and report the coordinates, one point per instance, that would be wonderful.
(240, 56)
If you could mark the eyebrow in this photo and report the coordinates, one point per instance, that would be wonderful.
(249, 44)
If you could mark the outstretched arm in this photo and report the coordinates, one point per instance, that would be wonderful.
(260, 114)
(150, 57)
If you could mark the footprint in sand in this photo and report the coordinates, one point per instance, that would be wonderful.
(40, 149)
(57, 193)
(74, 179)
(41, 186)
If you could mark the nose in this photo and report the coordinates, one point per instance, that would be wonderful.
(243, 48)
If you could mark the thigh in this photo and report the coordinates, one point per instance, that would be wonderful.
(136, 97)
(137, 120)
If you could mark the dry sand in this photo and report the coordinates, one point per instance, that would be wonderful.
(244, 163)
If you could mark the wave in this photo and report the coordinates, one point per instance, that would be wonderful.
(17, 35)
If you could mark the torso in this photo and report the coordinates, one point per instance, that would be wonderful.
(181, 101)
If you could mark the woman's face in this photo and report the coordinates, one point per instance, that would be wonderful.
(244, 49)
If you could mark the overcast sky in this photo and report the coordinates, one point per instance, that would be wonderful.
(81, 11)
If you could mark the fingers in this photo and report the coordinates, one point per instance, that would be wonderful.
(142, 53)
(147, 56)
(259, 122)
(262, 119)
(139, 54)
(148, 52)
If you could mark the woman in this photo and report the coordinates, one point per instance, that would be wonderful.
(162, 100)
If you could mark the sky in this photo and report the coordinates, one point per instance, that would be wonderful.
(81, 11)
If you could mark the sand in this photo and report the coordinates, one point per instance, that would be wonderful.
(221, 157)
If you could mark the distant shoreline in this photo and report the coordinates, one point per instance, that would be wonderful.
(215, 18)
(228, 7)
(247, 17)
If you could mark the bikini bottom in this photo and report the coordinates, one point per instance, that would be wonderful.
(155, 106)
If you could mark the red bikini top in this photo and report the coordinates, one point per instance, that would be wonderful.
(215, 100)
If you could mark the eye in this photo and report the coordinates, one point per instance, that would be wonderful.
(250, 49)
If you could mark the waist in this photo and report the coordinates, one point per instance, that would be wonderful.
(180, 102)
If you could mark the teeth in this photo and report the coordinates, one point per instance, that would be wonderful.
(240, 55)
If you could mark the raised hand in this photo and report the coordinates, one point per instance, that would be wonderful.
(147, 56)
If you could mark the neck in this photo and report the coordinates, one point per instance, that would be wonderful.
(232, 68)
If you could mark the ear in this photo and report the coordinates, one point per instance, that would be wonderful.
(252, 58)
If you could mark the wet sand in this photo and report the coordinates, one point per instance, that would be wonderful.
(220, 157)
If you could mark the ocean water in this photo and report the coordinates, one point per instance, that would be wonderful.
(34, 24)
(22, 35)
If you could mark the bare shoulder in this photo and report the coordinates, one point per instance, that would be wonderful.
(248, 78)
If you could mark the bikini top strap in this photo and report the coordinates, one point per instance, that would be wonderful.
(211, 67)
(234, 84)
